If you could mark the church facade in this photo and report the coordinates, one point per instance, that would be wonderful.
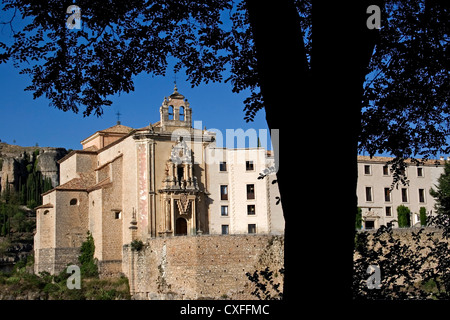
(130, 184)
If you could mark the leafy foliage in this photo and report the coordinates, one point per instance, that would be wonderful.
(408, 271)
(33, 184)
(88, 266)
(405, 104)
(415, 270)
(20, 284)
(265, 287)
(116, 42)
(358, 221)
(121, 40)
(137, 245)
(423, 216)
(403, 215)
(442, 192)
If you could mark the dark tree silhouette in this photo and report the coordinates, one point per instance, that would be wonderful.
(357, 89)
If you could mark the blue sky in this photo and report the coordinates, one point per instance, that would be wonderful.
(29, 121)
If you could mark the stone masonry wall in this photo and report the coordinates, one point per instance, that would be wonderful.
(406, 238)
(201, 267)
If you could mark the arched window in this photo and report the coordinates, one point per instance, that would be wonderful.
(170, 112)
(181, 113)
(73, 202)
(45, 212)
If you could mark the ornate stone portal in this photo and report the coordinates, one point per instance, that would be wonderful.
(180, 193)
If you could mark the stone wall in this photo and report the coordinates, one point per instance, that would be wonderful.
(201, 267)
(55, 260)
(405, 235)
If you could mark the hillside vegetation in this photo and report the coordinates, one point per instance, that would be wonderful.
(21, 284)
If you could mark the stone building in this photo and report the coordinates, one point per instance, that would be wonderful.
(139, 184)
(242, 202)
(379, 203)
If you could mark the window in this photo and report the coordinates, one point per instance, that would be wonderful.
(73, 202)
(223, 192)
(251, 209)
(370, 224)
(225, 229)
(223, 166)
(250, 191)
(420, 172)
(181, 113)
(180, 174)
(387, 194)
(404, 195)
(46, 212)
(252, 228)
(249, 166)
(170, 112)
(388, 211)
(366, 169)
(369, 194)
(385, 170)
(422, 195)
(117, 215)
(224, 211)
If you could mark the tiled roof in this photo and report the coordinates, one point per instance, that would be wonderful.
(45, 206)
(82, 183)
(118, 128)
(104, 183)
(91, 148)
(86, 182)
(71, 153)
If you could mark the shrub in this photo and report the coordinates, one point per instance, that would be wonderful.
(265, 287)
(358, 222)
(423, 216)
(88, 266)
(137, 245)
(407, 271)
(403, 216)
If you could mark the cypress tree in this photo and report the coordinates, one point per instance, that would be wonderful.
(423, 216)
(442, 192)
(358, 221)
(403, 216)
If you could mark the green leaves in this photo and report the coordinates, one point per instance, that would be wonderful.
(403, 214)
(442, 192)
(88, 266)
(405, 105)
(78, 70)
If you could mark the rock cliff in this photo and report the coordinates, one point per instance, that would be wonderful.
(13, 161)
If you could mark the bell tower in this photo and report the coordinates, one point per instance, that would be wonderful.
(175, 112)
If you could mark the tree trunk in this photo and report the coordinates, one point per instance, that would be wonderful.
(319, 121)
(284, 81)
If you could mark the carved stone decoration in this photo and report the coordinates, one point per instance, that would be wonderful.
(167, 215)
(180, 153)
(133, 222)
(183, 203)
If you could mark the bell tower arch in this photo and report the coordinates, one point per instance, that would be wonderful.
(175, 112)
